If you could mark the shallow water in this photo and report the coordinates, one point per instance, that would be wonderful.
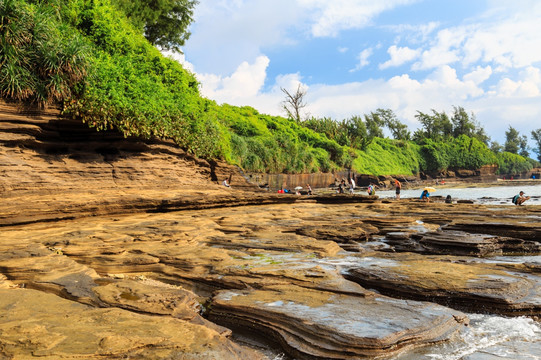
(481, 195)
(487, 337)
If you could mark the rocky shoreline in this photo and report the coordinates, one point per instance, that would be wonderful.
(117, 248)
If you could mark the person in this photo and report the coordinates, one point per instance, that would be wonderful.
(224, 183)
(341, 186)
(398, 188)
(448, 199)
(371, 190)
(520, 198)
(351, 186)
(309, 189)
(425, 196)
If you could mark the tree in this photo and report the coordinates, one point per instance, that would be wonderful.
(326, 126)
(164, 23)
(462, 124)
(294, 103)
(496, 147)
(373, 124)
(523, 144)
(357, 132)
(536, 136)
(514, 142)
(398, 130)
(40, 61)
(436, 126)
(511, 140)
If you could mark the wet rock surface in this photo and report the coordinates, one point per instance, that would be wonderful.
(314, 324)
(139, 253)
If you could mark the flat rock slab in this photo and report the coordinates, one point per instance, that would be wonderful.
(522, 228)
(45, 326)
(452, 242)
(473, 286)
(322, 325)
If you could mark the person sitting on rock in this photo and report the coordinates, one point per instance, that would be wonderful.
(520, 198)
(371, 190)
(224, 183)
(425, 196)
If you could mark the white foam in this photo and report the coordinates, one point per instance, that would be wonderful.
(500, 336)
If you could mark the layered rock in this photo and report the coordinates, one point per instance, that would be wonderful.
(35, 324)
(470, 286)
(321, 325)
(449, 242)
(121, 236)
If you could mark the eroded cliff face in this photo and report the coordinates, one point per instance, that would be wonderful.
(55, 168)
(119, 248)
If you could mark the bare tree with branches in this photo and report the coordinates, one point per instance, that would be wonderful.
(294, 102)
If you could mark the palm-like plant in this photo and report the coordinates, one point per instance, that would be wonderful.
(41, 60)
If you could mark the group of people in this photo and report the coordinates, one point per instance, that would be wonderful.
(342, 186)
(371, 190)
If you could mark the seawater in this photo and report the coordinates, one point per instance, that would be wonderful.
(487, 338)
(494, 195)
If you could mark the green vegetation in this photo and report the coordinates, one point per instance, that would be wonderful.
(41, 60)
(164, 23)
(99, 61)
(509, 163)
(536, 136)
(387, 156)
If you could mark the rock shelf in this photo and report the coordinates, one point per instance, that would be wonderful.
(123, 248)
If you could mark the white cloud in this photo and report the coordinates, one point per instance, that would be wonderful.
(509, 88)
(363, 59)
(399, 56)
(331, 17)
(479, 75)
(415, 34)
(244, 83)
(444, 51)
(227, 32)
(505, 38)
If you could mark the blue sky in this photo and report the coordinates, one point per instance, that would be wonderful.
(354, 56)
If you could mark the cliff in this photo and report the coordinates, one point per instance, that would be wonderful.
(52, 167)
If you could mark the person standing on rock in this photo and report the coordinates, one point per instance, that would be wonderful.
(351, 186)
(398, 188)
(309, 189)
(341, 186)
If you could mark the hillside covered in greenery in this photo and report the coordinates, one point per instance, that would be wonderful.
(99, 60)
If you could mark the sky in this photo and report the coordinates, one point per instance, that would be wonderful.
(355, 56)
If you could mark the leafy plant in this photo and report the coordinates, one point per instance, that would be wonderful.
(42, 60)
